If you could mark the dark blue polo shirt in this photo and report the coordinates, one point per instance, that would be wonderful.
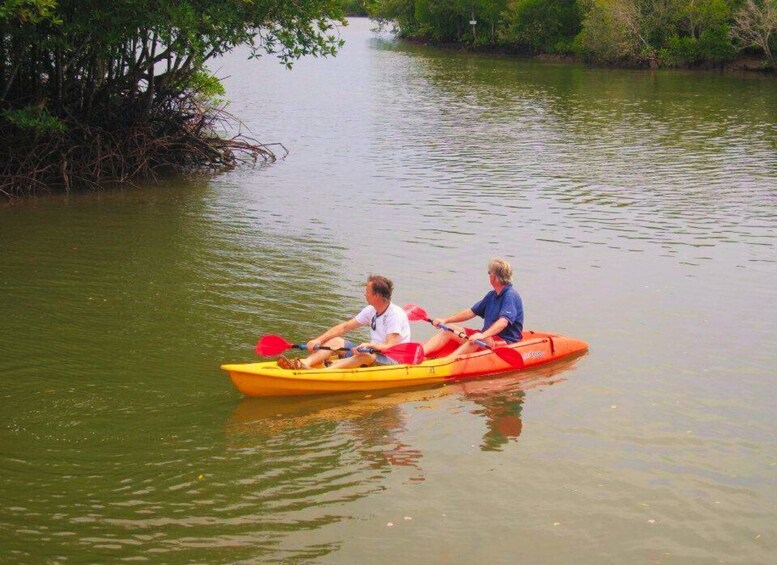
(506, 305)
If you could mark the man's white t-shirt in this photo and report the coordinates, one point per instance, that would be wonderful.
(392, 321)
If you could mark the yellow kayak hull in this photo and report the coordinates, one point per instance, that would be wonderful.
(267, 379)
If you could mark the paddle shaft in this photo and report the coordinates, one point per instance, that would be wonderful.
(303, 346)
(507, 354)
(460, 334)
(405, 353)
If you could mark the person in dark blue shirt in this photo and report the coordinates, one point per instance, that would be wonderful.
(501, 310)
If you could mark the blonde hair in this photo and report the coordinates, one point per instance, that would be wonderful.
(501, 269)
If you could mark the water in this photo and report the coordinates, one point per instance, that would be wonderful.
(638, 209)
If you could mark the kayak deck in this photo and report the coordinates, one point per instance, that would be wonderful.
(268, 379)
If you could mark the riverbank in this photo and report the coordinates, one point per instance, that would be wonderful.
(741, 63)
(82, 156)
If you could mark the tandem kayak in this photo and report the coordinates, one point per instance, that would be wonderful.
(268, 379)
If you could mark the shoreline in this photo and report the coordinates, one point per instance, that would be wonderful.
(742, 63)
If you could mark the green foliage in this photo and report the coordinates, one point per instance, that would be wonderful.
(28, 11)
(673, 32)
(545, 25)
(36, 119)
(669, 32)
(354, 7)
(401, 13)
(442, 20)
(85, 55)
(755, 26)
(609, 32)
(134, 72)
(713, 45)
(696, 16)
(204, 87)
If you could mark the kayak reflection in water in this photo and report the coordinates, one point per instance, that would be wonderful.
(501, 310)
(389, 326)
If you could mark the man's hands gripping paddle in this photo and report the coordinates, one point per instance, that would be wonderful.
(404, 353)
(507, 354)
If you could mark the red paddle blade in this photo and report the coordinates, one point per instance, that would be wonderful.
(415, 313)
(270, 345)
(406, 353)
(510, 356)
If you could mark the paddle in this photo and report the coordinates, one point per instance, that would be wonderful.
(507, 354)
(405, 353)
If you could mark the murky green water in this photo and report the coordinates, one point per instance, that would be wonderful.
(639, 211)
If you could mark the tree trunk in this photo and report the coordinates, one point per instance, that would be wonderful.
(150, 80)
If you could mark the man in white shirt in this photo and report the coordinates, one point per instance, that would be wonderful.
(389, 326)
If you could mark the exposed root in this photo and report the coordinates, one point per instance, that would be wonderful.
(183, 138)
